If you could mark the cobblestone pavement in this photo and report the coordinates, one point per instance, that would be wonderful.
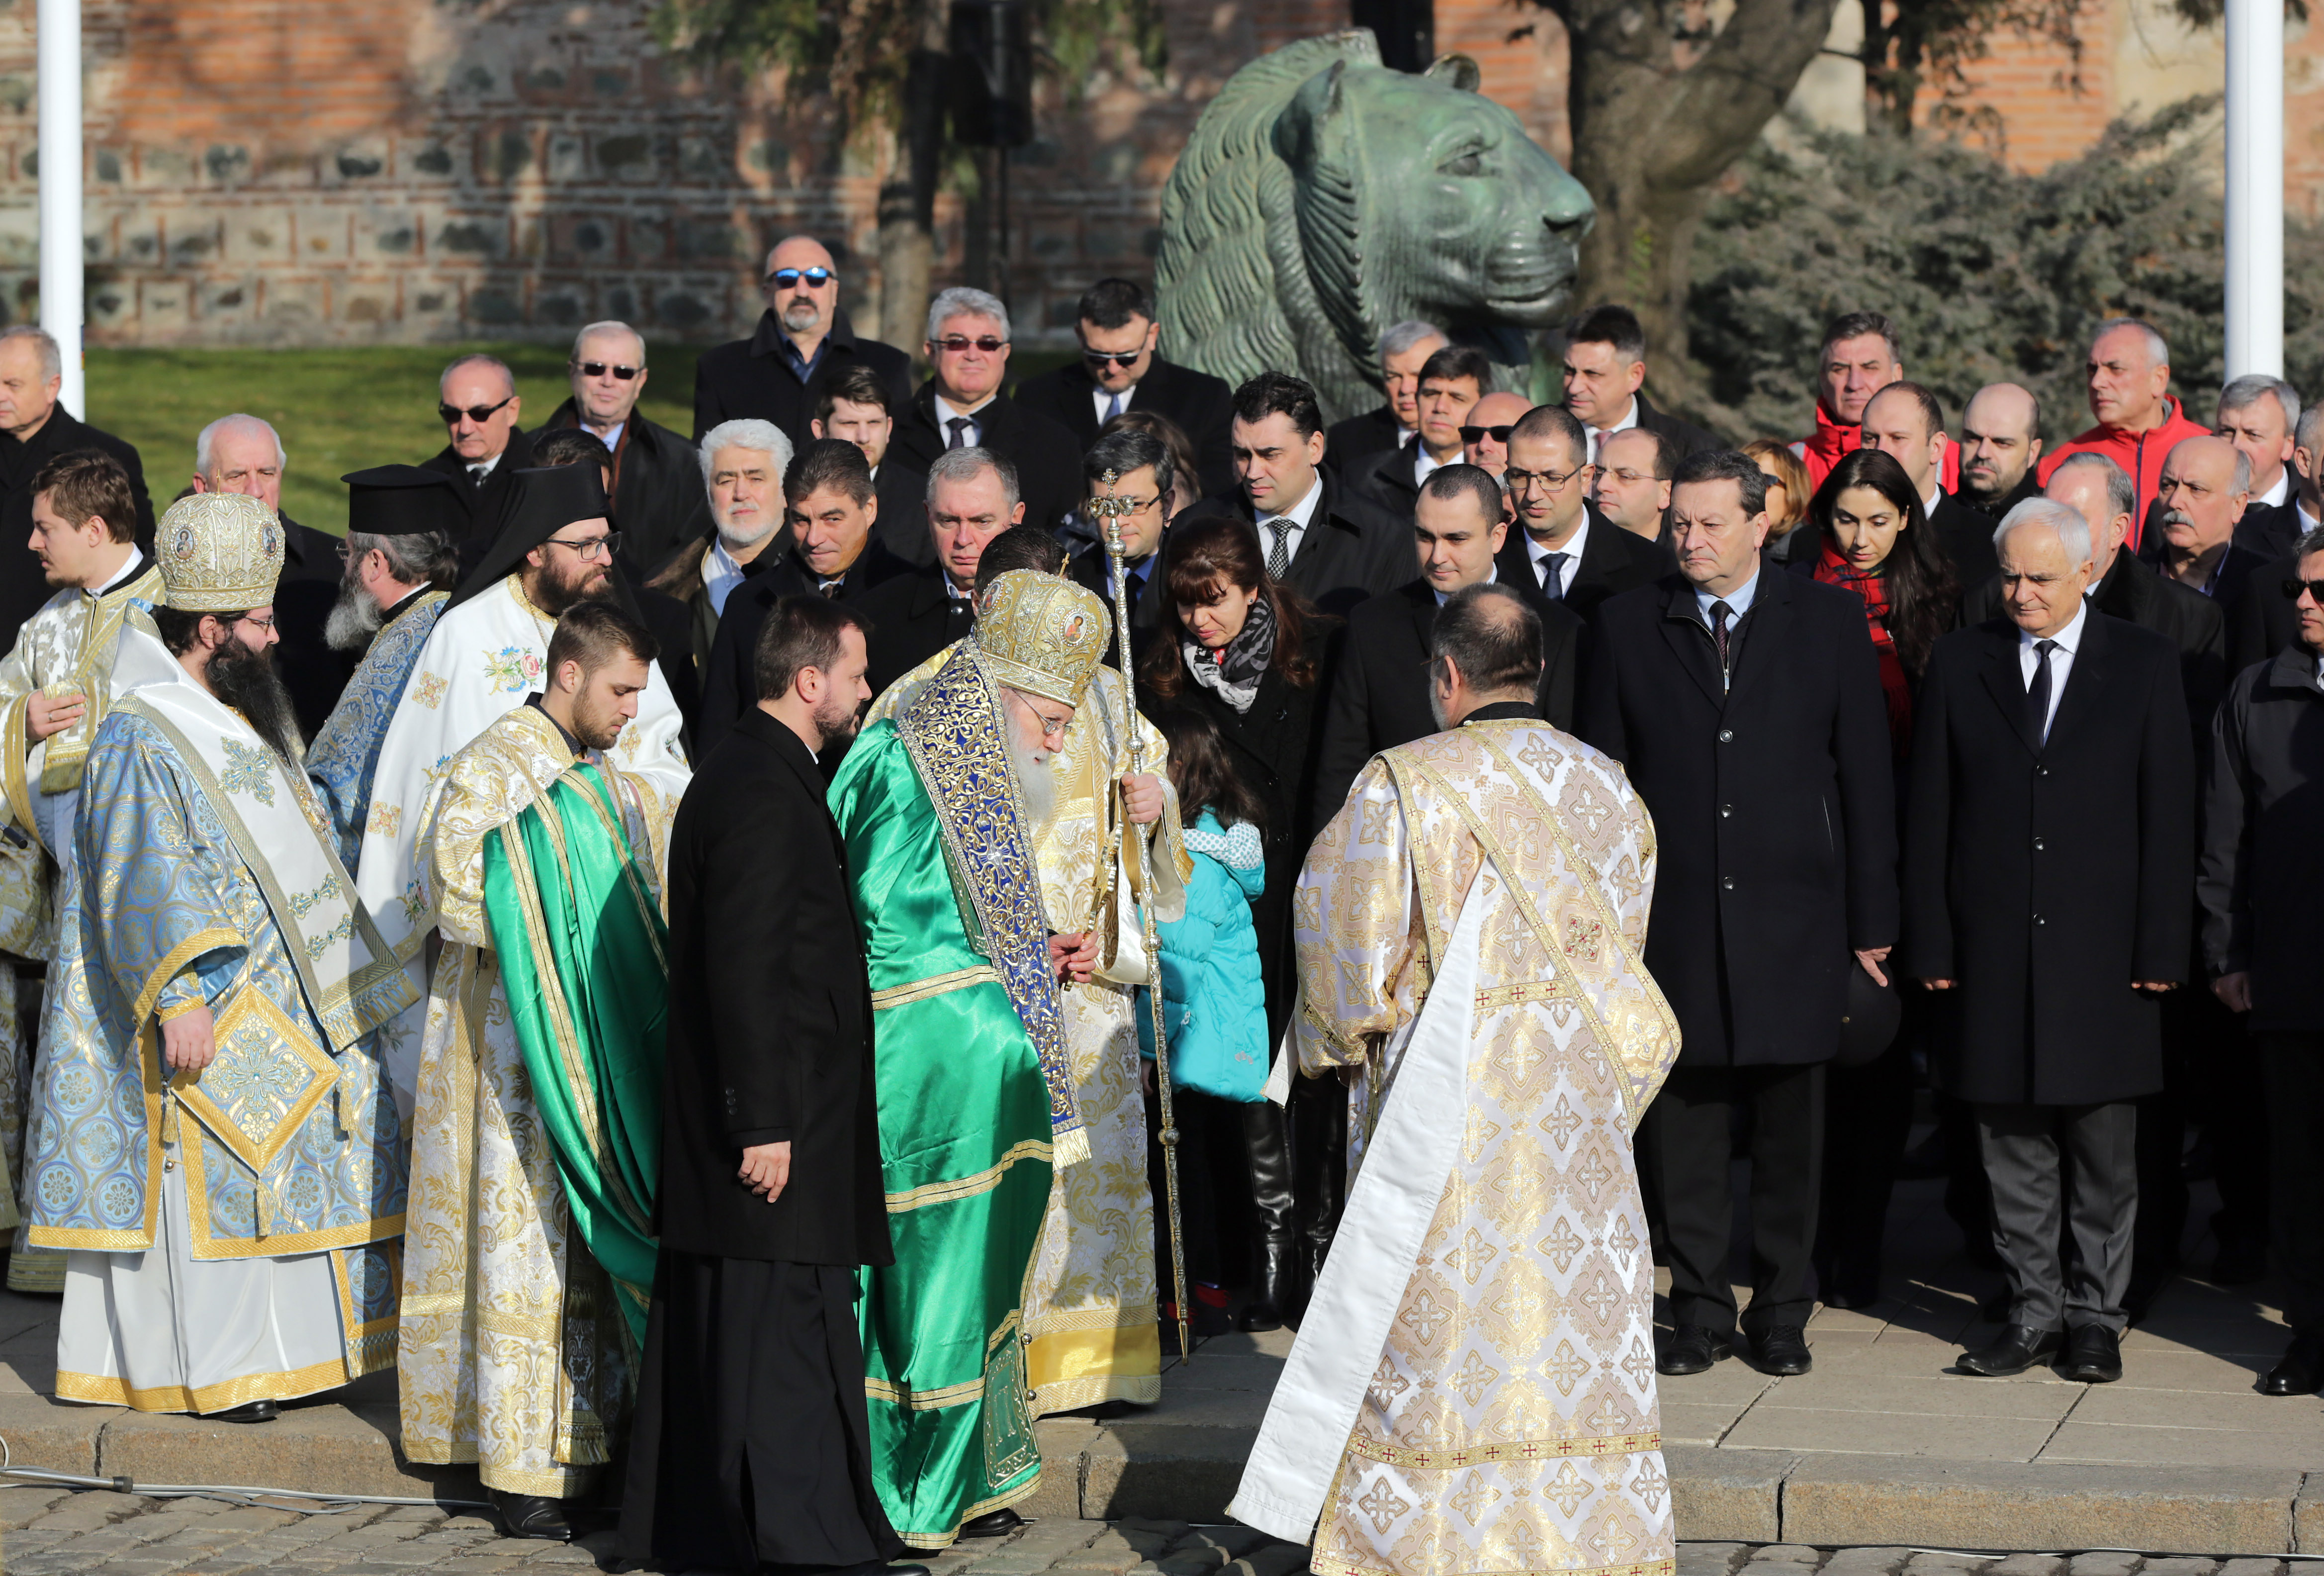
(49, 1531)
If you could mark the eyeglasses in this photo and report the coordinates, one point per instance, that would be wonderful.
(590, 549)
(253, 621)
(477, 413)
(1123, 505)
(2315, 588)
(598, 369)
(1519, 481)
(990, 344)
(1500, 435)
(1102, 359)
(789, 278)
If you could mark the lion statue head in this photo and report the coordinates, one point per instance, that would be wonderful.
(1324, 198)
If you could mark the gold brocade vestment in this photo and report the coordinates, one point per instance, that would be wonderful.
(1091, 1304)
(1508, 1422)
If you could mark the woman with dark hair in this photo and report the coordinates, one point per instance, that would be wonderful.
(1238, 647)
(1873, 537)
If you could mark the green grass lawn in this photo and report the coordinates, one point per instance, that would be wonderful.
(340, 409)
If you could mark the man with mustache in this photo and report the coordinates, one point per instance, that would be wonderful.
(2204, 485)
(743, 464)
(805, 343)
(400, 565)
(239, 1258)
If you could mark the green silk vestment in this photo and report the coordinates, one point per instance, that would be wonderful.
(583, 950)
(965, 1152)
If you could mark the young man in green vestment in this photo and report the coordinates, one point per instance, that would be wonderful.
(938, 810)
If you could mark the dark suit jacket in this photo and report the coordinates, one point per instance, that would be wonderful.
(2044, 876)
(484, 505)
(23, 589)
(2235, 571)
(1773, 803)
(754, 377)
(2270, 529)
(660, 501)
(770, 1016)
(303, 599)
(1350, 550)
(1198, 403)
(2262, 862)
(1388, 478)
(1683, 435)
(903, 495)
(1272, 748)
(1088, 570)
(2136, 593)
(1048, 460)
(1347, 443)
(913, 617)
(1613, 560)
(1379, 690)
(2262, 618)
(730, 682)
(1967, 536)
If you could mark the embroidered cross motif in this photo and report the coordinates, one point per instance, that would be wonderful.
(1475, 1375)
(1474, 1497)
(384, 820)
(1426, 1317)
(1383, 1505)
(430, 691)
(1567, 1488)
(1583, 937)
(1561, 1245)
(316, 946)
(250, 769)
(1567, 1367)
(1650, 1485)
(304, 903)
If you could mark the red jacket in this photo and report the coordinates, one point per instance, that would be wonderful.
(2141, 453)
(1822, 450)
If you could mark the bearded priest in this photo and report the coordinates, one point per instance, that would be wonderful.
(400, 566)
(938, 810)
(536, 1140)
(1473, 1386)
(55, 689)
(486, 655)
(213, 1145)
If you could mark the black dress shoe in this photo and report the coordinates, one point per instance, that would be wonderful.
(248, 1412)
(1783, 1350)
(2018, 1348)
(2300, 1371)
(532, 1515)
(992, 1523)
(1848, 1299)
(1692, 1350)
(2093, 1355)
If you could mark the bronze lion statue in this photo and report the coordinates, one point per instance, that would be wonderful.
(1324, 198)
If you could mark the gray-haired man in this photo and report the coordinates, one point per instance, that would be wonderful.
(2259, 415)
(1404, 350)
(960, 406)
(655, 492)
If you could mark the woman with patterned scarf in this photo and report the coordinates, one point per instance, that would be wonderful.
(1873, 537)
(1238, 648)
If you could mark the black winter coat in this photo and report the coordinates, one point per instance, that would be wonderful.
(659, 502)
(1198, 404)
(770, 1016)
(753, 378)
(2043, 878)
(2262, 863)
(1773, 804)
(23, 589)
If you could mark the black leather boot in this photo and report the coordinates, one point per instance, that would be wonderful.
(1319, 1159)
(1275, 1226)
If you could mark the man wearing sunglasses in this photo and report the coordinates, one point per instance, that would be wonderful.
(960, 406)
(477, 401)
(1119, 370)
(656, 486)
(803, 341)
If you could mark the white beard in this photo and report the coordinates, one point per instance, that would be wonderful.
(1036, 785)
(734, 544)
(354, 619)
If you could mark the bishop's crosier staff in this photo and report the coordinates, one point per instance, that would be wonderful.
(1110, 507)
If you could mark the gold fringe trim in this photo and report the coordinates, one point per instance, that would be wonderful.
(936, 1400)
(934, 985)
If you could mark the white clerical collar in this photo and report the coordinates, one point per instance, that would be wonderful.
(2275, 496)
(1491, 575)
(1739, 601)
(128, 568)
(2069, 639)
(1303, 511)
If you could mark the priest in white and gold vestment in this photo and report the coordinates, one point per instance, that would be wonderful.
(55, 688)
(1472, 1389)
(1091, 1308)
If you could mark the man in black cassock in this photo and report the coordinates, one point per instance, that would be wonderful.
(750, 1443)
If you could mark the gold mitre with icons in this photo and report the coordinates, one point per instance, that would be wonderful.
(1042, 634)
(219, 552)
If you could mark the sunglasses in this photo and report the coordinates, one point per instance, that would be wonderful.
(1103, 358)
(598, 369)
(2315, 588)
(787, 277)
(992, 345)
(1500, 435)
(479, 413)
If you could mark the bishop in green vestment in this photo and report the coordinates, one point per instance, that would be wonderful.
(975, 1090)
